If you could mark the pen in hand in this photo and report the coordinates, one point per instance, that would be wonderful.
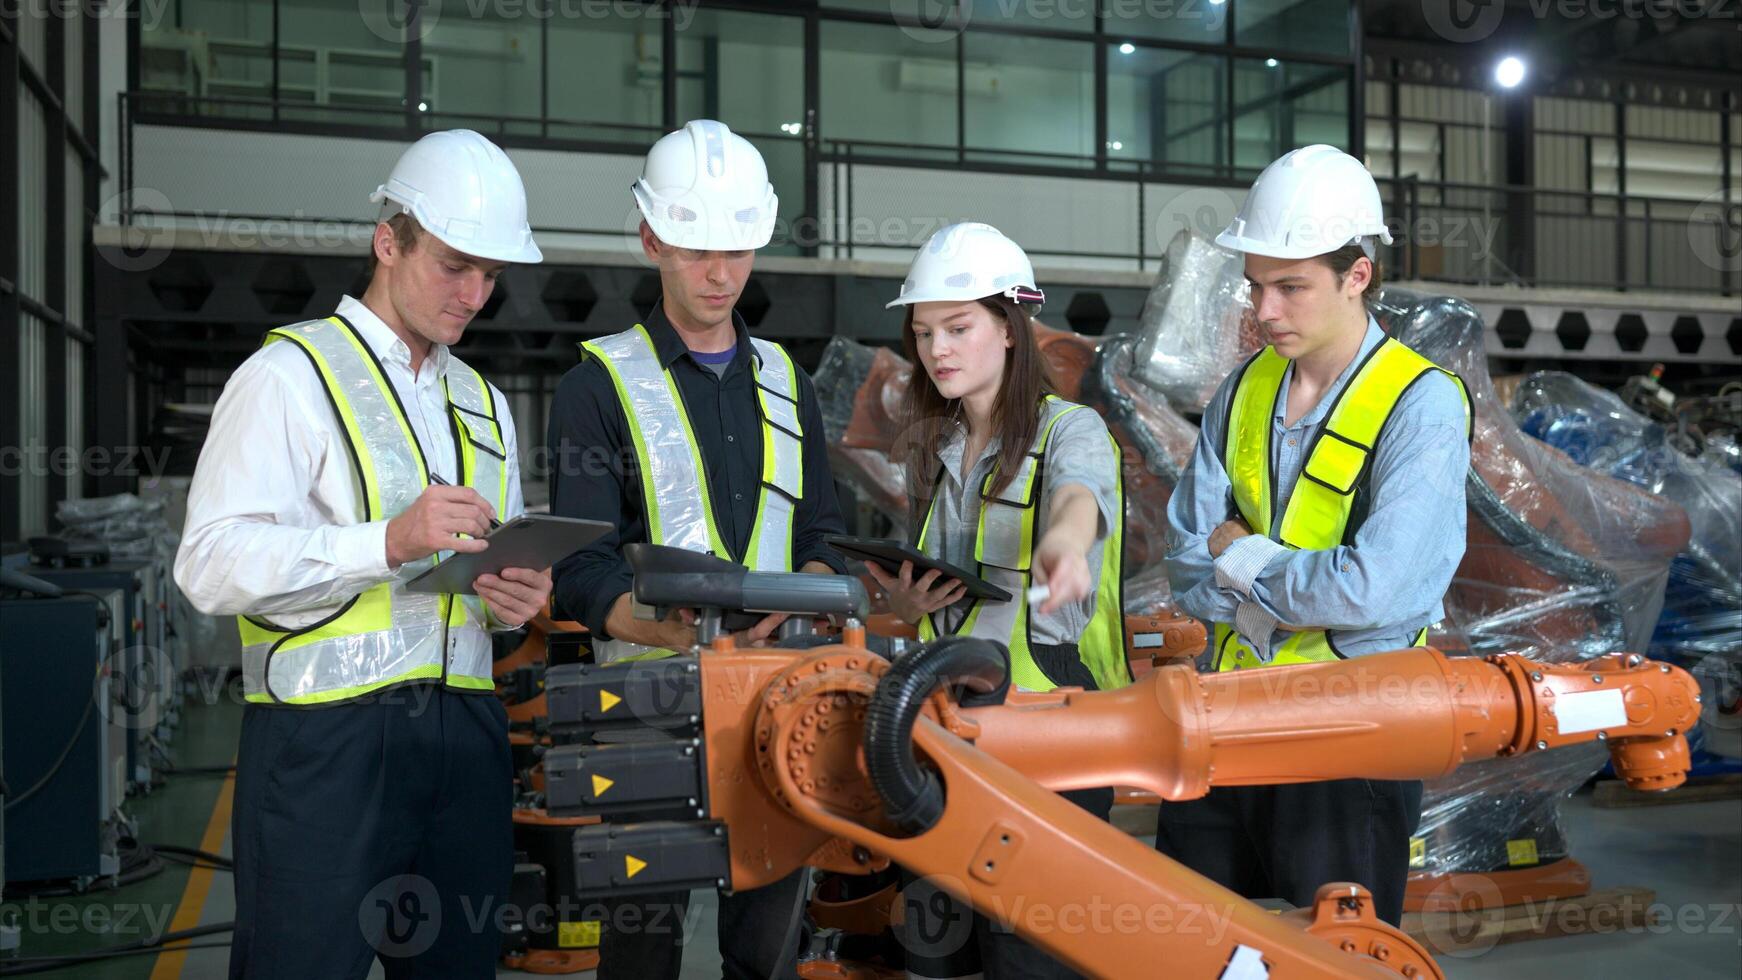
(437, 479)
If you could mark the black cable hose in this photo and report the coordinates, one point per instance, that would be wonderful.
(137, 947)
(46, 964)
(194, 853)
(912, 796)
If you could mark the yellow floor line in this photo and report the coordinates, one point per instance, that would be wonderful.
(193, 897)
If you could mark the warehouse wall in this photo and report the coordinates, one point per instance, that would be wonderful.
(46, 73)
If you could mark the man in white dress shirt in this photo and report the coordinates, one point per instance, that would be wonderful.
(348, 455)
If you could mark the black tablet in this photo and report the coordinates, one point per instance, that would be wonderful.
(889, 554)
(529, 541)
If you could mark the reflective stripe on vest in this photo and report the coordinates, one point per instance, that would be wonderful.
(1004, 541)
(674, 485)
(383, 635)
(1337, 462)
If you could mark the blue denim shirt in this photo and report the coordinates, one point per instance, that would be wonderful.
(1375, 593)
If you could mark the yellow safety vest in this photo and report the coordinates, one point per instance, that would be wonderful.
(384, 635)
(1319, 510)
(1004, 549)
(674, 484)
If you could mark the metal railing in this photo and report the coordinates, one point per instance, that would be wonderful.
(1451, 232)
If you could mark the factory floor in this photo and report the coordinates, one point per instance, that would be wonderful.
(1690, 854)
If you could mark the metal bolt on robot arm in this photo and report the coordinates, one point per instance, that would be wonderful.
(833, 757)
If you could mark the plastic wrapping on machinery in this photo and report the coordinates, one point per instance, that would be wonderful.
(1700, 628)
(1197, 323)
(1596, 429)
(1561, 565)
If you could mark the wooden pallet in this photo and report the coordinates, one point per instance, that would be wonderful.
(1612, 793)
(1608, 911)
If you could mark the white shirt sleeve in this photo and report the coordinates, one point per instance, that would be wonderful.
(261, 535)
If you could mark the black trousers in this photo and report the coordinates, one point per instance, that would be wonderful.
(944, 937)
(644, 936)
(374, 829)
(1285, 841)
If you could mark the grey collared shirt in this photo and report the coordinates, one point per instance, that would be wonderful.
(1081, 453)
(1375, 593)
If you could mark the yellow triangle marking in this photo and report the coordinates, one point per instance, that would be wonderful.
(607, 701)
(632, 866)
(601, 784)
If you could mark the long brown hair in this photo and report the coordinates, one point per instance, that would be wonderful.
(1015, 417)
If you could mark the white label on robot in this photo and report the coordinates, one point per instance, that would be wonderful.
(1144, 641)
(1590, 711)
(1246, 964)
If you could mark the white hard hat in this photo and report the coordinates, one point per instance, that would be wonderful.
(1308, 202)
(705, 187)
(465, 191)
(969, 261)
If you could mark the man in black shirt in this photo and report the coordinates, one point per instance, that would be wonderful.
(684, 430)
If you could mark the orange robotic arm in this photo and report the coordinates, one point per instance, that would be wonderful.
(835, 758)
(789, 775)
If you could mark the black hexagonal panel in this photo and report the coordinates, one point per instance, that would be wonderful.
(181, 284)
(646, 293)
(493, 305)
(753, 303)
(1088, 313)
(1513, 328)
(569, 296)
(1630, 332)
(1734, 336)
(1574, 330)
(283, 286)
(1687, 335)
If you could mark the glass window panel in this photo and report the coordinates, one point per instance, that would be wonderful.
(352, 68)
(1197, 21)
(1169, 107)
(744, 69)
(882, 83)
(1051, 15)
(609, 72)
(485, 59)
(201, 48)
(1280, 105)
(747, 70)
(1297, 25)
(1030, 94)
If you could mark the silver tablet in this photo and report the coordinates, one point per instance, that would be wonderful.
(531, 541)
